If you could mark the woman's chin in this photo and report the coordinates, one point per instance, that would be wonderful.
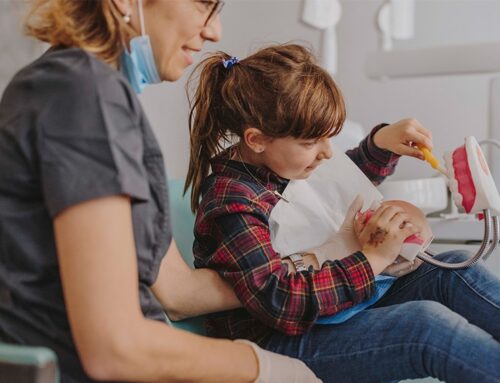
(172, 74)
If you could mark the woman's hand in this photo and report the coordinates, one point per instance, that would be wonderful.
(383, 235)
(276, 368)
(403, 136)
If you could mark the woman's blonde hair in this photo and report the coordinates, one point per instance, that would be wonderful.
(279, 90)
(96, 26)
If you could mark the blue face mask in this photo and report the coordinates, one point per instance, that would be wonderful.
(139, 65)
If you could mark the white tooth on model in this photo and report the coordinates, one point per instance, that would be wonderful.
(452, 181)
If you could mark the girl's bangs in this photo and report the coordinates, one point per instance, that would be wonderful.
(323, 112)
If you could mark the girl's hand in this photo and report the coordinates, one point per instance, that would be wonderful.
(383, 235)
(403, 136)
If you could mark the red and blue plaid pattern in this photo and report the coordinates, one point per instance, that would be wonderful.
(232, 237)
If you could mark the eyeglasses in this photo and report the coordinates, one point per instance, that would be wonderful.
(215, 9)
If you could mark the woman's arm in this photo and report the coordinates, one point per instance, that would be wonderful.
(186, 292)
(98, 266)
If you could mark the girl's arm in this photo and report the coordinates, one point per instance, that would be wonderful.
(186, 292)
(374, 162)
(378, 154)
(290, 303)
(98, 267)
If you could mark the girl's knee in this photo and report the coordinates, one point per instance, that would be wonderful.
(433, 319)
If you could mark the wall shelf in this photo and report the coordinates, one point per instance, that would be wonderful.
(435, 61)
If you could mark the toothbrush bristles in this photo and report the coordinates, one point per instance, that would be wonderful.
(442, 170)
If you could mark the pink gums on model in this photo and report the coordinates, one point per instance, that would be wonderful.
(463, 176)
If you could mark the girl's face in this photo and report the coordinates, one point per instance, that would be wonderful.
(295, 158)
(177, 29)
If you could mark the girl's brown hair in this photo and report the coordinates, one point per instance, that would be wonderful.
(279, 90)
(96, 26)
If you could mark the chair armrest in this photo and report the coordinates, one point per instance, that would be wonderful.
(26, 364)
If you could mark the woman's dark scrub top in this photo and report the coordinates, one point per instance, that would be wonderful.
(71, 130)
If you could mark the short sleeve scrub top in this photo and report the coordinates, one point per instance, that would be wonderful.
(71, 130)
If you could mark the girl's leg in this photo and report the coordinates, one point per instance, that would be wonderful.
(474, 293)
(407, 340)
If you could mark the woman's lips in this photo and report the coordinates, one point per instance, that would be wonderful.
(187, 56)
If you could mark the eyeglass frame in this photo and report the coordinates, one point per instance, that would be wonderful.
(217, 8)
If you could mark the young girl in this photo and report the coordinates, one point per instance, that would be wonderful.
(284, 108)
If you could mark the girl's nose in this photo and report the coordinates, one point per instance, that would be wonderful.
(325, 152)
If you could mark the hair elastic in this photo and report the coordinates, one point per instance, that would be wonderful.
(230, 62)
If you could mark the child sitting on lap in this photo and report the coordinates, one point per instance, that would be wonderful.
(283, 109)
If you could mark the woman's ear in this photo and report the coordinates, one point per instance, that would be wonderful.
(255, 139)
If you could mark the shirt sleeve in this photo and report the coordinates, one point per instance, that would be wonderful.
(90, 141)
(290, 303)
(375, 163)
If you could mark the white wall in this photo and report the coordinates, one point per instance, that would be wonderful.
(451, 107)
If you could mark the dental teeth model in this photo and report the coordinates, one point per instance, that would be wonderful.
(472, 189)
(469, 179)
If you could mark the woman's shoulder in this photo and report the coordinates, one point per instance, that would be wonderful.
(71, 73)
(74, 61)
(69, 83)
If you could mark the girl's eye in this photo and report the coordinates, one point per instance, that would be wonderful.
(309, 144)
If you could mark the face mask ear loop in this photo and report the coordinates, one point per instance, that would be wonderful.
(141, 18)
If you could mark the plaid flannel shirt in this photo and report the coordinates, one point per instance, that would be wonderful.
(232, 237)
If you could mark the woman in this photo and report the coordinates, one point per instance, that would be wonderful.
(86, 248)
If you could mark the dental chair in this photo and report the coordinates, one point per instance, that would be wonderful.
(26, 364)
(183, 224)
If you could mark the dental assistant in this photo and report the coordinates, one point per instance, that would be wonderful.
(87, 259)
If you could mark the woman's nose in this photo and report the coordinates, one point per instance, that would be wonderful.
(213, 30)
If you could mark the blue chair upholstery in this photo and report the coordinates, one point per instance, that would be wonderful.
(26, 364)
(183, 225)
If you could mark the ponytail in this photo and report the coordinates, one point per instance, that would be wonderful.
(207, 134)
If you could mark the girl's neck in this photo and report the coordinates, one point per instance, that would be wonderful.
(243, 153)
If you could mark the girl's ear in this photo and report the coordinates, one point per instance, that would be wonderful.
(255, 139)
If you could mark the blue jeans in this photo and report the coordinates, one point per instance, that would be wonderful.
(432, 322)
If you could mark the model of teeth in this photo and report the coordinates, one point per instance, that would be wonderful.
(469, 179)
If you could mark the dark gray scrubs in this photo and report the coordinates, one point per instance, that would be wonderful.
(71, 130)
